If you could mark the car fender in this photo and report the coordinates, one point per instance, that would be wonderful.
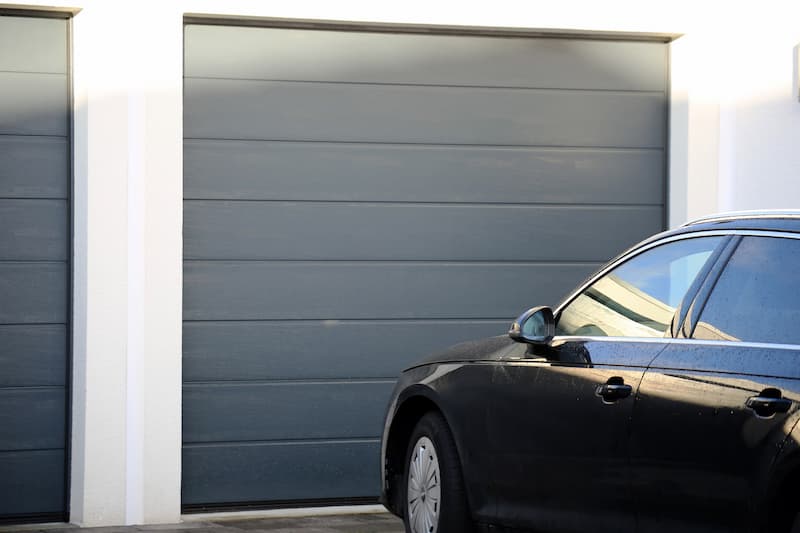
(419, 389)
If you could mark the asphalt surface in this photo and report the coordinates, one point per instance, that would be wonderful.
(355, 523)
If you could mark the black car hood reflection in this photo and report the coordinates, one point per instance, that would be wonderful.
(491, 349)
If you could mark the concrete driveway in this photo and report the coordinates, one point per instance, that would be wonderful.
(361, 523)
(351, 523)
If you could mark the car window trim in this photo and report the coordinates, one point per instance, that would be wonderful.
(698, 301)
(740, 344)
(606, 338)
(684, 308)
(669, 341)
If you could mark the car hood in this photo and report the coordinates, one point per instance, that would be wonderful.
(489, 349)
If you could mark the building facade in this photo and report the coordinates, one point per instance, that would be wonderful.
(226, 226)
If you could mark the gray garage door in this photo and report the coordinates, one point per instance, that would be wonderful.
(355, 200)
(34, 266)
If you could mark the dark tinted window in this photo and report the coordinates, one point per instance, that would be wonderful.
(756, 298)
(639, 297)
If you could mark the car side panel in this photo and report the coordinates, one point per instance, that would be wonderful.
(780, 484)
(697, 452)
(559, 451)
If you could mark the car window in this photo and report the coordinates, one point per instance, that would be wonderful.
(638, 298)
(756, 298)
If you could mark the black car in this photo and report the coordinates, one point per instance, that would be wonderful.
(662, 395)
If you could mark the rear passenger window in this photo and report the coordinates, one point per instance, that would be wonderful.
(756, 298)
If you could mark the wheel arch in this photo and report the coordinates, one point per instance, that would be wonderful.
(410, 410)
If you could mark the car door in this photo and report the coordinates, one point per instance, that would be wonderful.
(713, 409)
(560, 416)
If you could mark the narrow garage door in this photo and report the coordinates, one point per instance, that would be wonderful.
(355, 200)
(34, 266)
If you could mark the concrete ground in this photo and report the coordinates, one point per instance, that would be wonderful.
(347, 523)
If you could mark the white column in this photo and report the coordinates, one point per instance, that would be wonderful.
(126, 430)
(163, 267)
(100, 314)
(694, 122)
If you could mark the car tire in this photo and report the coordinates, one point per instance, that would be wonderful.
(434, 499)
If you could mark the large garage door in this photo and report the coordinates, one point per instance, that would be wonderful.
(34, 266)
(355, 200)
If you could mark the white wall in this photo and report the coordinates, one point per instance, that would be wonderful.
(744, 131)
(760, 156)
(735, 125)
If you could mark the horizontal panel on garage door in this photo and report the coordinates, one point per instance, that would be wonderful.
(33, 45)
(263, 350)
(354, 201)
(34, 167)
(44, 361)
(342, 231)
(290, 410)
(284, 471)
(34, 229)
(33, 104)
(32, 483)
(246, 109)
(311, 55)
(33, 293)
(262, 170)
(34, 267)
(247, 290)
(32, 418)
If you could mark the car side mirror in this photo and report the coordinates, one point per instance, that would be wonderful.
(535, 326)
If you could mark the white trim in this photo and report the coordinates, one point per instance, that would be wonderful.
(134, 512)
(796, 72)
(161, 78)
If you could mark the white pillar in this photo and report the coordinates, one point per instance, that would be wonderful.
(163, 267)
(126, 409)
(694, 122)
(100, 313)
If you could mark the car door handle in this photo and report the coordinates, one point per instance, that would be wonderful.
(768, 402)
(614, 389)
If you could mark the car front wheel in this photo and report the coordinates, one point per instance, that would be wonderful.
(435, 500)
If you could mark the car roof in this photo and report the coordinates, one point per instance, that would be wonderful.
(766, 214)
(768, 220)
(786, 221)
